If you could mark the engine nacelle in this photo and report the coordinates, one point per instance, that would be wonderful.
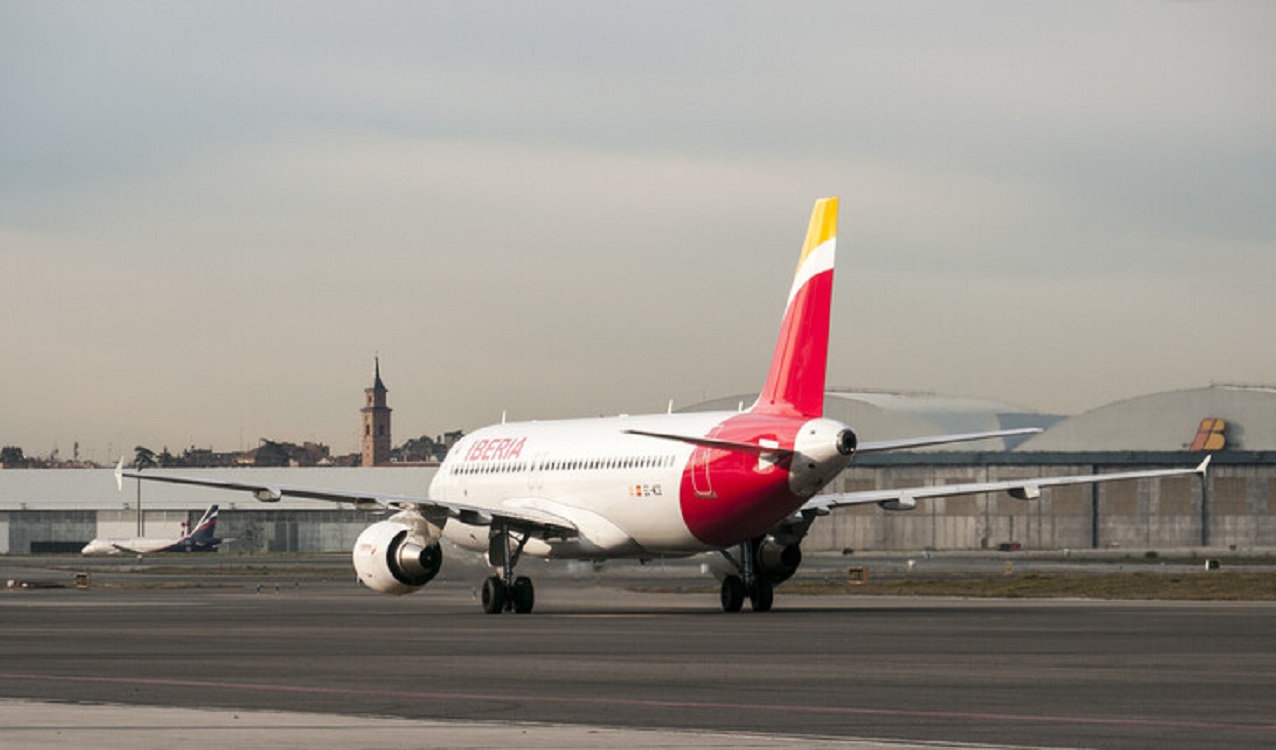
(777, 561)
(900, 503)
(1026, 492)
(390, 559)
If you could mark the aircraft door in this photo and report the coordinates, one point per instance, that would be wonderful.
(536, 472)
(701, 458)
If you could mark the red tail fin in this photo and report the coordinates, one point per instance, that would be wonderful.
(795, 384)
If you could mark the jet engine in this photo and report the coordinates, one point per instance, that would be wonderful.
(777, 561)
(390, 558)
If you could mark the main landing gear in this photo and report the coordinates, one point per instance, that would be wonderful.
(505, 593)
(756, 586)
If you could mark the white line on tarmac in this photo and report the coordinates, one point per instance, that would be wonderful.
(74, 726)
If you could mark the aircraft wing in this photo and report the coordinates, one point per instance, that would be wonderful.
(269, 492)
(1021, 489)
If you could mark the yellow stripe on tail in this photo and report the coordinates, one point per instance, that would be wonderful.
(822, 228)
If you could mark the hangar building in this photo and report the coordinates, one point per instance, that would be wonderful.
(1170, 422)
(1235, 424)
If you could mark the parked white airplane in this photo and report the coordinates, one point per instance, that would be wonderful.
(743, 484)
(201, 538)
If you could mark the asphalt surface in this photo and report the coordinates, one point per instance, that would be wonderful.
(597, 654)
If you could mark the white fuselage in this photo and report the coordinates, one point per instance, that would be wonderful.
(621, 490)
(695, 482)
(138, 545)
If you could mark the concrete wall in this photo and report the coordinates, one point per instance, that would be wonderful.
(1153, 514)
(260, 531)
(30, 529)
(122, 524)
(253, 531)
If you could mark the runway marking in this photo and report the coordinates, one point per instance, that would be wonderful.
(644, 703)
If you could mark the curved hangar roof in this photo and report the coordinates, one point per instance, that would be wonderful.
(886, 415)
(1171, 421)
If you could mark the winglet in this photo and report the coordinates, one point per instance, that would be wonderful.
(795, 382)
(119, 475)
(1202, 466)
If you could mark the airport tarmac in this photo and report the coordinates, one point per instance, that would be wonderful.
(599, 664)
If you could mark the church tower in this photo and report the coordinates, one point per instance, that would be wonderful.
(376, 423)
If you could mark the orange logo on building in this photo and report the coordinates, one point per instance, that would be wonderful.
(1209, 436)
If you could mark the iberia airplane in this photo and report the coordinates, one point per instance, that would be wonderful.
(742, 483)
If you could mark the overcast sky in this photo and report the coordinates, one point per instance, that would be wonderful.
(214, 215)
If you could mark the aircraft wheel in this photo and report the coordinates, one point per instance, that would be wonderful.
(493, 595)
(762, 595)
(732, 594)
(524, 595)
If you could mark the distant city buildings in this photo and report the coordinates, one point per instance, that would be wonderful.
(13, 457)
(425, 449)
(376, 447)
(269, 453)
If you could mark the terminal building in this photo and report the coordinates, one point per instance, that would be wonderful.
(52, 511)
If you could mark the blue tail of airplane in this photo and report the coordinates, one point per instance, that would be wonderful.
(202, 536)
(203, 531)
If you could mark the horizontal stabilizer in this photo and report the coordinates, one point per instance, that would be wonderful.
(727, 445)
